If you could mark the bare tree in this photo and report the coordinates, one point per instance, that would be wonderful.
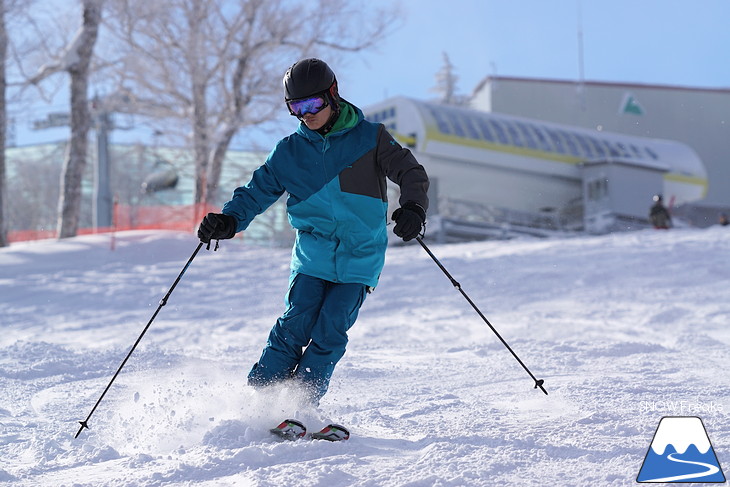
(75, 59)
(7, 7)
(446, 79)
(3, 125)
(215, 66)
(33, 196)
(76, 62)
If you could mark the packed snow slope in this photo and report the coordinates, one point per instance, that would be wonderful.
(624, 329)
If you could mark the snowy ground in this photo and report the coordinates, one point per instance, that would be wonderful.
(624, 329)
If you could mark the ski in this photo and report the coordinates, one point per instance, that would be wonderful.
(332, 432)
(291, 430)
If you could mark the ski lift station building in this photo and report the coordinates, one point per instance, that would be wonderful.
(511, 169)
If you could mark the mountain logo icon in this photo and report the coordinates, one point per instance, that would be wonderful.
(681, 452)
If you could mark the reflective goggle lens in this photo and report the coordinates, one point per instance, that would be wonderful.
(308, 105)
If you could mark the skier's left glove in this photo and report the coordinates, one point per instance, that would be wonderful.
(409, 220)
(217, 226)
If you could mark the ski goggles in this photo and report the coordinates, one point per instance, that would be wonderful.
(313, 105)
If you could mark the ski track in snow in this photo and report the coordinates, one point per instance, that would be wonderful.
(616, 325)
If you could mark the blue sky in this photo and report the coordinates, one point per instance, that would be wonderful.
(673, 42)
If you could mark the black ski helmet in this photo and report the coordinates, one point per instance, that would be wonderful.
(309, 77)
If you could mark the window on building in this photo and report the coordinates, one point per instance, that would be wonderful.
(651, 153)
(623, 150)
(570, 143)
(542, 138)
(585, 145)
(441, 122)
(599, 148)
(499, 131)
(471, 130)
(636, 152)
(597, 189)
(513, 134)
(455, 123)
(527, 135)
(613, 150)
(485, 130)
(557, 141)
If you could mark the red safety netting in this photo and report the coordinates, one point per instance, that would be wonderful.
(125, 217)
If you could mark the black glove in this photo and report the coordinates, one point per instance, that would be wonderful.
(217, 226)
(409, 220)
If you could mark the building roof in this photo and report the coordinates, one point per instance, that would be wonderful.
(607, 84)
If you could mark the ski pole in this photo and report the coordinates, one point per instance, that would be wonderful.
(163, 302)
(538, 382)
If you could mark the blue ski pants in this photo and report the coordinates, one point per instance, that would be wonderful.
(310, 337)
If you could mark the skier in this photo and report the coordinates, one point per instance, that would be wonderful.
(333, 169)
(659, 215)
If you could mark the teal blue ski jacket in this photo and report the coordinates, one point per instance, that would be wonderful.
(337, 197)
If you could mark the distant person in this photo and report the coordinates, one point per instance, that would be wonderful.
(659, 215)
(723, 220)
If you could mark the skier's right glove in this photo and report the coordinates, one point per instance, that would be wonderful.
(409, 220)
(217, 226)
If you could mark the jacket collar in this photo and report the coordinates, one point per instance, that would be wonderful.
(314, 136)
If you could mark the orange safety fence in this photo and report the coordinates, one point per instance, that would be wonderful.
(125, 217)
